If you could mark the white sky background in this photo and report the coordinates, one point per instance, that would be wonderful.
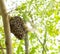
(11, 4)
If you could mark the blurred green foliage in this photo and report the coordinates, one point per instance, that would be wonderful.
(44, 16)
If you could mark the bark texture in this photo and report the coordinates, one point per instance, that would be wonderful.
(6, 27)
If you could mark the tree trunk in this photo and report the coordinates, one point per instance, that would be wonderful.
(6, 27)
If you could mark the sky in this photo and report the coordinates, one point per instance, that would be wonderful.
(11, 4)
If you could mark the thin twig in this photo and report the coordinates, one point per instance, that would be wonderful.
(44, 50)
(2, 48)
(34, 31)
(39, 39)
(26, 45)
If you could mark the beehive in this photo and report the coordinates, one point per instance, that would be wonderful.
(18, 27)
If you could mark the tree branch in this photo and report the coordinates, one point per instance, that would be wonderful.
(26, 45)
